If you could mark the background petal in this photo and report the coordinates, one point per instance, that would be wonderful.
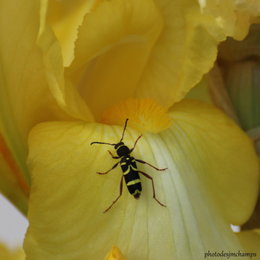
(209, 143)
(24, 95)
(232, 18)
(68, 198)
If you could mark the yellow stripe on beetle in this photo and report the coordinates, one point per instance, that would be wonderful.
(130, 167)
(133, 182)
(136, 192)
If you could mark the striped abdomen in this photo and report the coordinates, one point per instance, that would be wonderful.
(132, 178)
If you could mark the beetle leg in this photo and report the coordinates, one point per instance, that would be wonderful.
(102, 173)
(120, 194)
(131, 150)
(114, 157)
(150, 178)
(158, 169)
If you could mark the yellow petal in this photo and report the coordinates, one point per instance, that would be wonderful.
(64, 92)
(12, 182)
(184, 51)
(112, 49)
(154, 57)
(24, 95)
(250, 241)
(145, 115)
(146, 57)
(114, 254)
(68, 197)
(65, 17)
(7, 254)
(232, 18)
(220, 153)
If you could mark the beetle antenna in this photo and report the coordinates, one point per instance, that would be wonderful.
(101, 143)
(124, 130)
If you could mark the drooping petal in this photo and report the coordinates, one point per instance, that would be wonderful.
(69, 223)
(210, 138)
(24, 96)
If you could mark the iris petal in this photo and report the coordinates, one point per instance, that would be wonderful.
(69, 223)
(250, 241)
(115, 41)
(65, 17)
(220, 153)
(22, 81)
(12, 183)
(151, 56)
(231, 18)
(62, 89)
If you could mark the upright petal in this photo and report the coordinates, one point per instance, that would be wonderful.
(112, 49)
(148, 48)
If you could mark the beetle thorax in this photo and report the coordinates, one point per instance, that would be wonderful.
(122, 149)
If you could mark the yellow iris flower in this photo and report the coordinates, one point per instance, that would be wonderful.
(71, 73)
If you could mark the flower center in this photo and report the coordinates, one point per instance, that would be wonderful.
(145, 115)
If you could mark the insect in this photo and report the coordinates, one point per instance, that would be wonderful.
(129, 168)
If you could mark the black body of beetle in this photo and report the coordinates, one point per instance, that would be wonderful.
(129, 169)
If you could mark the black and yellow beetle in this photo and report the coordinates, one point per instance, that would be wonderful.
(129, 168)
